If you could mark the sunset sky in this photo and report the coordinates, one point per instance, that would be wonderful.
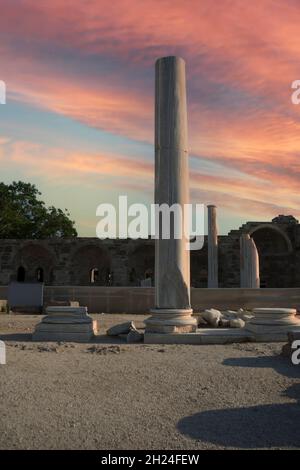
(79, 118)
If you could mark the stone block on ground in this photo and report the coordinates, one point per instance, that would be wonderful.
(236, 323)
(134, 336)
(224, 323)
(120, 329)
(212, 317)
(65, 323)
(230, 314)
(200, 320)
(273, 322)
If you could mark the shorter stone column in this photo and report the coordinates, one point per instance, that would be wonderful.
(212, 240)
(65, 324)
(273, 324)
(249, 262)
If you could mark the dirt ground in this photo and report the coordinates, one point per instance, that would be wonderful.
(112, 395)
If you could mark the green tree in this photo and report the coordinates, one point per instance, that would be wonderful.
(24, 215)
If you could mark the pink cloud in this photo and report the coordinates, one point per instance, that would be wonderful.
(58, 164)
(244, 53)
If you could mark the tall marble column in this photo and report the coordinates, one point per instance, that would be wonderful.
(249, 262)
(212, 240)
(172, 313)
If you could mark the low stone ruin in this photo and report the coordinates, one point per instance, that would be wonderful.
(126, 331)
(226, 319)
(65, 324)
(259, 324)
(269, 324)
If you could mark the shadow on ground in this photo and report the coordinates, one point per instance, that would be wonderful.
(266, 426)
(280, 364)
(261, 426)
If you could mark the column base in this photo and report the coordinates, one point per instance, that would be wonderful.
(171, 321)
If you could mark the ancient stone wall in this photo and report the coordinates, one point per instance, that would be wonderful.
(90, 261)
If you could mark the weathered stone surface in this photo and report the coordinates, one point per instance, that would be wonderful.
(65, 323)
(172, 258)
(276, 322)
(231, 313)
(171, 321)
(212, 240)
(171, 181)
(249, 262)
(224, 323)
(212, 317)
(121, 328)
(200, 319)
(245, 315)
(236, 323)
(67, 327)
(68, 320)
(66, 310)
(67, 314)
(134, 336)
(68, 262)
(202, 336)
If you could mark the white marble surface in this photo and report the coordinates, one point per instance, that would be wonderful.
(172, 257)
(212, 240)
(249, 262)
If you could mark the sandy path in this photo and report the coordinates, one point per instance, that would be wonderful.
(119, 396)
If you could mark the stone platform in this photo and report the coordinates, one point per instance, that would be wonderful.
(267, 325)
(65, 324)
(273, 324)
(201, 336)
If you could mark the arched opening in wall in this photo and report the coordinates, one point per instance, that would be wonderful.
(274, 250)
(270, 241)
(38, 259)
(141, 265)
(94, 275)
(21, 274)
(91, 266)
(40, 275)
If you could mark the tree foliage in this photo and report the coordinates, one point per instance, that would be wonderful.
(24, 215)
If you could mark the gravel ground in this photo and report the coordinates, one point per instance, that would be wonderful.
(110, 395)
